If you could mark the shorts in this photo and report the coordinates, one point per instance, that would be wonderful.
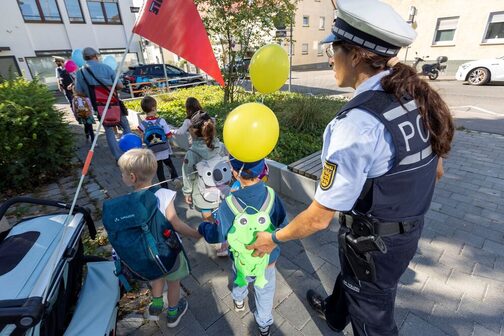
(180, 269)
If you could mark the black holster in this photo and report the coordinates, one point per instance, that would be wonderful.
(357, 247)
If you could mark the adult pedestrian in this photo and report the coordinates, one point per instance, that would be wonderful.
(94, 74)
(380, 157)
(64, 79)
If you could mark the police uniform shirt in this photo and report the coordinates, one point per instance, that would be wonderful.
(356, 147)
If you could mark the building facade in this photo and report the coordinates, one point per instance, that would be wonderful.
(32, 31)
(462, 30)
(312, 23)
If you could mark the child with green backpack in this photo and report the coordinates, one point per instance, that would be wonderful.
(252, 208)
(138, 167)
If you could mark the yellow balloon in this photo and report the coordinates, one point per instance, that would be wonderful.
(269, 68)
(251, 132)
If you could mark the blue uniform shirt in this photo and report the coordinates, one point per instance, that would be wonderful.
(101, 71)
(253, 196)
(360, 147)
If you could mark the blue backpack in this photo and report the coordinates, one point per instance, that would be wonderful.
(155, 136)
(145, 243)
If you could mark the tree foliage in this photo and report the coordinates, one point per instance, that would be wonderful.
(242, 26)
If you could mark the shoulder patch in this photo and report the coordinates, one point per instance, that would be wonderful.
(327, 176)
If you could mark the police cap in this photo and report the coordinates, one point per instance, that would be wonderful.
(372, 25)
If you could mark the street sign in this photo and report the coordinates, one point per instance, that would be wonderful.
(134, 9)
(281, 33)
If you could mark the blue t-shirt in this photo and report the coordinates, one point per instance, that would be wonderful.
(252, 196)
(101, 71)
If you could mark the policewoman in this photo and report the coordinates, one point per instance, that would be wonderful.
(380, 157)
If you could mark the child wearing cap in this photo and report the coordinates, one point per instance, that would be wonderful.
(252, 195)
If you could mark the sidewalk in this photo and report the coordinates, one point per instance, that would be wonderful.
(454, 285)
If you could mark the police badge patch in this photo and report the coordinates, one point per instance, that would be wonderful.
(328, 173)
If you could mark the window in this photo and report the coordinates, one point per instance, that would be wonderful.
(104, 11)
(39, 10)
(8, 67)
(321, 23)
(306, 21)
(445, 30)
(304, 49)
(495, 28)
(320, 49)
(74, 11)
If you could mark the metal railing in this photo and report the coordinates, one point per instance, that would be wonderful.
(161, 85)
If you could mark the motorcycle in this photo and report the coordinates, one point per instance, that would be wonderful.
(431, 70)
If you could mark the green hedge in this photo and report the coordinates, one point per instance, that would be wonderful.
(35, 143)
(302, 118)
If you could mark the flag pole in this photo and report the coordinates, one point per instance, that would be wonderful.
(164, 67)
(55, 257)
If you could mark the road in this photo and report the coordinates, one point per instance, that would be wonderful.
(479, 108)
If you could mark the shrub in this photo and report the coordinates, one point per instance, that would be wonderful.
(302, 118)
(35, 143)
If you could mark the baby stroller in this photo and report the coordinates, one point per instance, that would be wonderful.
(37, 302)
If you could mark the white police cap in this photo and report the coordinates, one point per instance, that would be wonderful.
(372, 25)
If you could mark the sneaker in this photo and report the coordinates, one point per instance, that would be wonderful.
(153, 312)
(222, 251)
(264, 331)
(173, 321)
(239, 306)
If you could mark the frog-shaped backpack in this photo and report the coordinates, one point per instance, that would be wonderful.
(243, 233)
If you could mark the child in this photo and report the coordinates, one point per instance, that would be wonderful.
(84, 114)
(138, 167)
(192, 106)
(205, 147)
(149, 106)
(251, 196)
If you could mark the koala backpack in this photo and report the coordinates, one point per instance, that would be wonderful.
(214, 177)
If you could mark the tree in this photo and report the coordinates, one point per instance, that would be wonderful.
(240, 27)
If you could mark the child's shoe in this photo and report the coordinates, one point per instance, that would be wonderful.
(222, 251)
(173, 320)
(264, 331)
(239, 306)
(152, 313)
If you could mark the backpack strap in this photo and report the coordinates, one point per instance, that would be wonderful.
(234, 205)
(269, 201)
(118, 272)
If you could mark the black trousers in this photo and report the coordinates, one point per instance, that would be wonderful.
(160, 171)
(369, 306)
(88, 130)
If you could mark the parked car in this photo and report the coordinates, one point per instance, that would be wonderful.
(152, 75)
(241, 67)
(481, 72)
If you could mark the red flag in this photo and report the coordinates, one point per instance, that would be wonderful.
(176, 25)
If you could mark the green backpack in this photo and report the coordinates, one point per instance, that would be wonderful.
(243, 233)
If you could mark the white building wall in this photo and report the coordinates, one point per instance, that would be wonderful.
(24, 39)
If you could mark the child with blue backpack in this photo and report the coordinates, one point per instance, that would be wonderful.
(252, 208)
(156, 133)
(138, 167)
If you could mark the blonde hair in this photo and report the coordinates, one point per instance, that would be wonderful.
(141, 162)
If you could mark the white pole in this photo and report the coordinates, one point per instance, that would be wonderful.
(45, 277)
(290, 58)
(164, 68)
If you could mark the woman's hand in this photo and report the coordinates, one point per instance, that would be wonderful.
(263, 244)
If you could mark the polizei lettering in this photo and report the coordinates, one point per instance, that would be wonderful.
(155, 6)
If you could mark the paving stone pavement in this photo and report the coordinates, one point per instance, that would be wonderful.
(453, 286)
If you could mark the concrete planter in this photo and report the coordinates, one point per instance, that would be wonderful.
(292, 185)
